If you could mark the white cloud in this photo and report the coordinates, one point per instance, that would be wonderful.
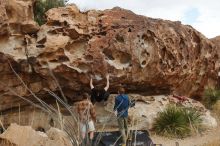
(206, 20)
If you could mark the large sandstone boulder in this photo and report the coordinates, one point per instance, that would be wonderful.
(145, 55)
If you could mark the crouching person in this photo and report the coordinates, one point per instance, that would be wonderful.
(87, 117)
(121, 107)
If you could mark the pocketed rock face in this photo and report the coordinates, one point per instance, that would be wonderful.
(216, 41)
(145, 55)
(16, 16)
(3, 18)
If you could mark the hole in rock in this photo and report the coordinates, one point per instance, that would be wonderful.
(32, 60)
(148, 54)
(9, 13)
(125, 58)
(40, 46)
(129, 30)
(73, 33)
(64, 15)
(100, 25)
(84, 67)
(144, 37)
(108, 54)
(216, 56)
(100, 15)
(143, 62)
(151, 33)
(163, 52)
(51, 122)
(103, 33)
(41, 129)
(65, 23)
(120, 38)
(42, 41)
(52, 32)
(56, 23)
(77, 48)
(89, 57)
(63, 58)
(60, 59)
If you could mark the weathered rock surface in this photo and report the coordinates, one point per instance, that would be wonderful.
(216, 41)
(25, 136)
(17, 17)
(145, 55)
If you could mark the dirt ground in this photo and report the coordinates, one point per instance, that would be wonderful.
(210, 138)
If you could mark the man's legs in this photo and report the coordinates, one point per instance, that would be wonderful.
(91, 130)
(121, 124)
(126, 125)
(83, 130)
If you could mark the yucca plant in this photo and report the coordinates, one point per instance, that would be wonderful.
(211, 96)
(176, 122)
(193, 118)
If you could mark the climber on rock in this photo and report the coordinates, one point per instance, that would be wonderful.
(98, 95)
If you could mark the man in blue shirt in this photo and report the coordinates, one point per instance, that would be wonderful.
(121, 108)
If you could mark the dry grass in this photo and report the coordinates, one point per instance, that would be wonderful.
(6, 143)
(216, 109)
(213, 143)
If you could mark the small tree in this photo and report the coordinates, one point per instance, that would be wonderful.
(42, 6)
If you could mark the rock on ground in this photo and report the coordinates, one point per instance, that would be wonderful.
(17, 135)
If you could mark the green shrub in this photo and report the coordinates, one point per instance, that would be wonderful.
(42, 6)
(177, 122)
(211, 96)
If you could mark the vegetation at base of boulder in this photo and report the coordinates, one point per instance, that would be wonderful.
(177, 122)
(211, 96)
(42, 6)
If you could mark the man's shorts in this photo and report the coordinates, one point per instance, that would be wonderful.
(87, 127)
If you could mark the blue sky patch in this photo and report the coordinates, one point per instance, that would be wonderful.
(191, 16)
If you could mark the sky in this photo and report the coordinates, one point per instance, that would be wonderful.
(201, 14)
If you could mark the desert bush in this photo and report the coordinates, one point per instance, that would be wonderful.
(210, 97)
(177, 122)
(42, 6)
